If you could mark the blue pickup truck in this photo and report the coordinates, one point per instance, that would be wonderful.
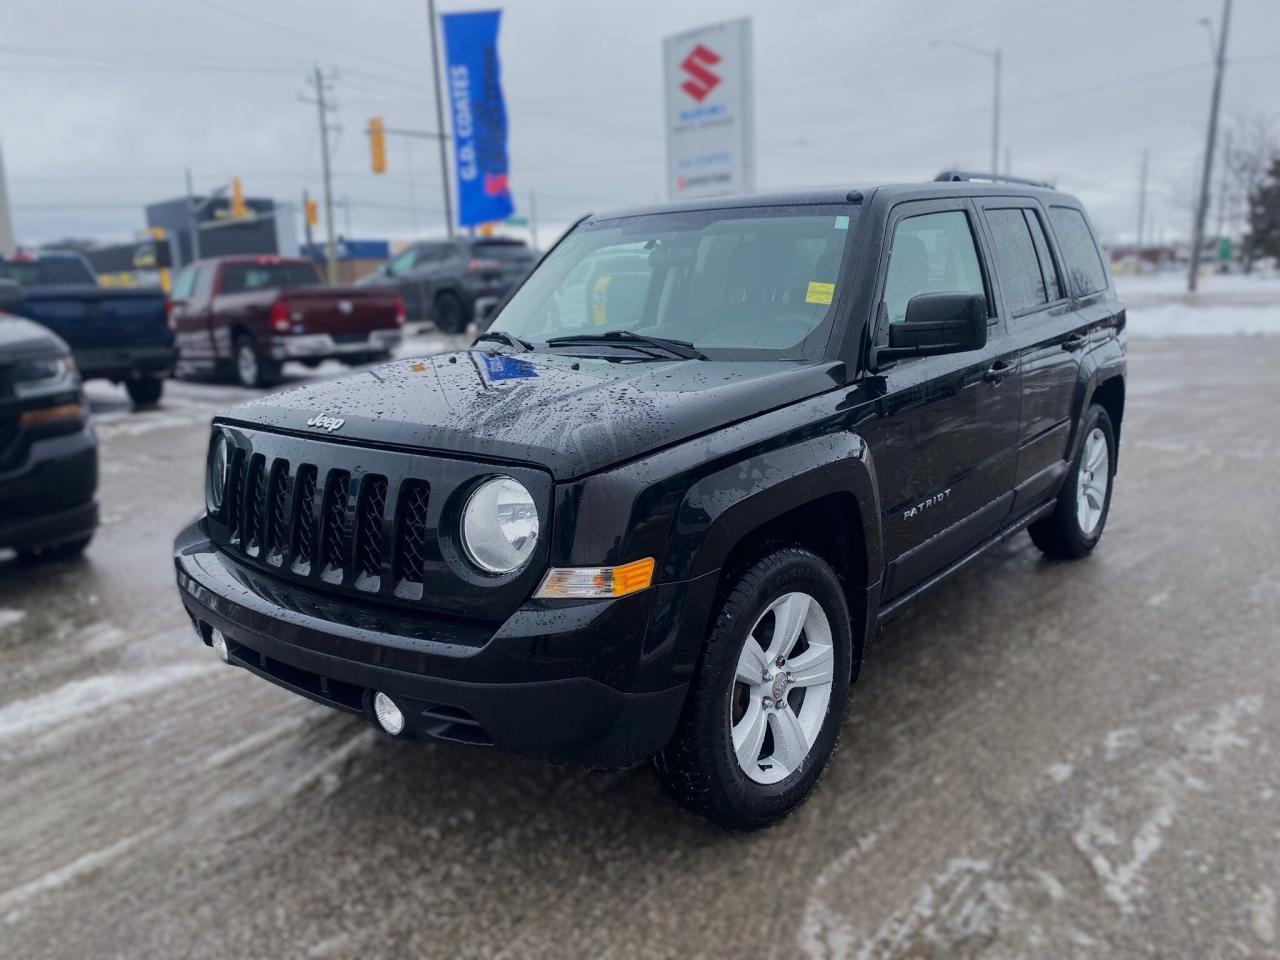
(121, 335)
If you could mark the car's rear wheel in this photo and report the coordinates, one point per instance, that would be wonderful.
(145, 391)
(451, 315)
(1075, 526)
(62, 551)
(766, 704)
(252, 368)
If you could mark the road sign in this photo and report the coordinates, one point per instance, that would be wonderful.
(707, 75)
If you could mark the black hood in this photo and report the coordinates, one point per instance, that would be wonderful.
(20, 337)
(570, 415)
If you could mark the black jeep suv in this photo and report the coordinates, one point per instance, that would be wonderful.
(667, 526)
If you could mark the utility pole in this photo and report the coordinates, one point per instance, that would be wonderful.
(995, 115)
(1142, 206)
(439, 89)
(533, 220)
(7, 242)
(1206, 173)
(320, 83)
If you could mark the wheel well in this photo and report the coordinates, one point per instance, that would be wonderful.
(239, 330)
(1110, 396)
(818, 526)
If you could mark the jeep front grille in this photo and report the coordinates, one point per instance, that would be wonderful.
(327, 523)
(368, 523)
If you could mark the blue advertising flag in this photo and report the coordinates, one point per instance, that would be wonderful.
(479, 116)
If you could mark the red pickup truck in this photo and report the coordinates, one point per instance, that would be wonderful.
(248, 315)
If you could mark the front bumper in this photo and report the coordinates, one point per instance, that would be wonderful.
(126, 362)
(598, 684)
(48, 497)
(305, 346)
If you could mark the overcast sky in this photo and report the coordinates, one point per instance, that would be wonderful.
(106, 104)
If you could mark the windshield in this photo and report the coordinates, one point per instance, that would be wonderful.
(46, 272)
(754, 283)
(243, 277)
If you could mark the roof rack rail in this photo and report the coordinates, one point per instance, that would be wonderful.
(957, 176)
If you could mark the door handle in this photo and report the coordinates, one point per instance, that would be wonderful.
(998, 371)
(1075, 342)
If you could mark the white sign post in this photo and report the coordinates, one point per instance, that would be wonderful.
(707, 76)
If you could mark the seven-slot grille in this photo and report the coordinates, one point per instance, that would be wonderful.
(326, 523)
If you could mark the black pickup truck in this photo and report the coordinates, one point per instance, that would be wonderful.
(121, 335)
(668, 526)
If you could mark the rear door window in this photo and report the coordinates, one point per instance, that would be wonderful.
(1017, 266)
(1080, 254)
(1053, 284)
(931, 253)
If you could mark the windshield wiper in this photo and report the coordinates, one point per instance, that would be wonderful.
(678, 348)
(509, 339)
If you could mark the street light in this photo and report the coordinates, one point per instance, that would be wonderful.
(994, 54)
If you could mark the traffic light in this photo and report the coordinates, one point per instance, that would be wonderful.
(238, 208)
(313, 212)
(377, 145)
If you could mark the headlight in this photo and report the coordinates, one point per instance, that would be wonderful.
(219, 470)
(36, 378)
(500, 525)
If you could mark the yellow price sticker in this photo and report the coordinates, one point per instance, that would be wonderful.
(819, 292)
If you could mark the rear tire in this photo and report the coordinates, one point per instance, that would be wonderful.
(1076, 524)
(62, 551)
(145, 392)
(451, 315)
(252, 368)
(736, 757)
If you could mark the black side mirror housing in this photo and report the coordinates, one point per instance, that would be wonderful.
(938, 323)
(11, 295)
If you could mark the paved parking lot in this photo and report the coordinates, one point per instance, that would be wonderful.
(1040, 760)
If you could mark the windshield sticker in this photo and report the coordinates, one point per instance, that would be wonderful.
(497, 367)
(842, 223)
(819, 292)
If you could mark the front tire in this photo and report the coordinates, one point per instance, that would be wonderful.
(1075, 526)
(768, 699)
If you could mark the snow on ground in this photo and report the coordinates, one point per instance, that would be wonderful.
(1159, 305)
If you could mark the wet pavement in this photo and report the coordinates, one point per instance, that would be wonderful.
(1065, 760)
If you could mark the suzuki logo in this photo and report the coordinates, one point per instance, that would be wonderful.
(330, 424)
(701, 80)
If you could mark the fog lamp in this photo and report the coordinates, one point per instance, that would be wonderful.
(220, 645)
(388, 714)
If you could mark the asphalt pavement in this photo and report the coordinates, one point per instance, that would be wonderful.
(1041, 759)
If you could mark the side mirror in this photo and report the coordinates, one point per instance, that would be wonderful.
(938, 323)
(11, 296)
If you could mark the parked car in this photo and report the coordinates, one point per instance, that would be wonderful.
(248, 315)
(48, 452)
(674, 532)
(121, 335)
(454, 283)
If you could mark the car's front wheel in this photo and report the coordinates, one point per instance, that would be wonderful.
(451, 315)
(766, 704)
(145, 391)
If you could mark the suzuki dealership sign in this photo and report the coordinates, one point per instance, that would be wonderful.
(710, 123)
(479, 116)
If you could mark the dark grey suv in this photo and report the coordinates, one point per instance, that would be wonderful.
(452, 282)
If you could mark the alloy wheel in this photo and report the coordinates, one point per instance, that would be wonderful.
(247, 364)
(782, 688)
(1095, 475)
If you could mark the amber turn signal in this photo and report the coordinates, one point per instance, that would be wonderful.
(588, 582)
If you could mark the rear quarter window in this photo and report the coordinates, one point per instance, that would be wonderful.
(1080, 258)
